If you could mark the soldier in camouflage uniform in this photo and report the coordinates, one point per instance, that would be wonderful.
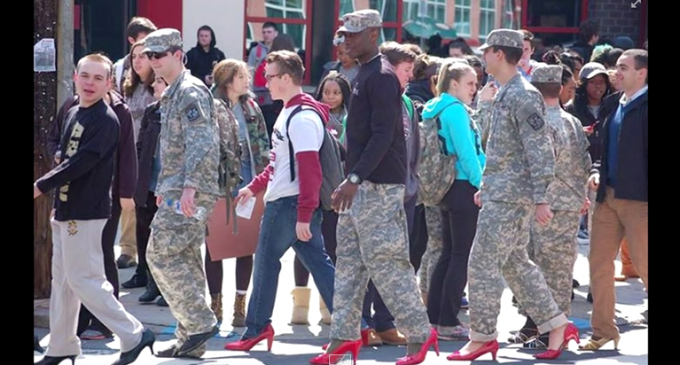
(520, 166)
(553, 247)
(189, 152)
(433, 221)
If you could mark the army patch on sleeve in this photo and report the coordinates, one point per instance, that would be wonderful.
(535, 121)
(192, 113)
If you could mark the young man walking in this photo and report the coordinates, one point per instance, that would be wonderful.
(82, 205)
(186, 194)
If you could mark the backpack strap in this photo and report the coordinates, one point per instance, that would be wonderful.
(409, 105)
(291, 152)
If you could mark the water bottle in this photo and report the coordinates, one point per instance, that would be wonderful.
(199, 212)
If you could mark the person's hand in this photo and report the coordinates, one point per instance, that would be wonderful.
(127, 204)
(543, 214)
(243, 196)
(57, 157)
(343, 196)
(585, 206)
(159, 200)
(594, 182)
(52, 213)
(488, 92)
(304, 233)
(186, 202)
(478, 198)
(589, 130)
(36, 191)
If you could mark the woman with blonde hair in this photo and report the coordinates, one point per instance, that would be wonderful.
(231, 83)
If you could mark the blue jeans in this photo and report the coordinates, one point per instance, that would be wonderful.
(246, 174)
(277, 235)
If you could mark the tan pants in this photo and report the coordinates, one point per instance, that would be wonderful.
(78, 277)
(613, 220)
(128, 237)
(627, 267)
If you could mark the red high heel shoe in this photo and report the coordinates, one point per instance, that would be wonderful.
(364, 340)
(491, 346)
(247, 344)
(419, 356)
(335, 356)
(570, 333)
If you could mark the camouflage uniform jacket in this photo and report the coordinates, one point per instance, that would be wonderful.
(520, 163)
(572, 160)
(189, 140)
(257, 133)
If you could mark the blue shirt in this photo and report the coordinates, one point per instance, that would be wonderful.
(460, 138)
(613, 138)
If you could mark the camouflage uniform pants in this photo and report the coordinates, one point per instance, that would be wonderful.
(433, 218)
(373, 243)
(500, 252)
(553, 249)
(176, 264)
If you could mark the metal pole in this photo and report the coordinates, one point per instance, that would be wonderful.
(64, 45)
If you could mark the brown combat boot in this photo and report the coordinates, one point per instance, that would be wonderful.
(370, 338)
(216, 305)
(392, 337)
(239, 311)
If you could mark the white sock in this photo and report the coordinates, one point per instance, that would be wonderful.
(242, 292)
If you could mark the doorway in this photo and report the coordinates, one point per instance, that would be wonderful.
(102, 26)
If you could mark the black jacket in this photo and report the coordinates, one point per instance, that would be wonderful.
(146, 148)
(633, 166)
(200, 62)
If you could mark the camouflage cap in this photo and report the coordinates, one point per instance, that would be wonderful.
(162, 40)
(359, 21)
(544, 73)
(505, 38)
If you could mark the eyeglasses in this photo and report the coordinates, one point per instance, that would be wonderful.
(156, 55)
(270, 77)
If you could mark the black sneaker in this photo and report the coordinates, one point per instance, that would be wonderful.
(137, 281)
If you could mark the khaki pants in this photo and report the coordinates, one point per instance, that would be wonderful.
(78, 277)
(613, 220)
(128, 238)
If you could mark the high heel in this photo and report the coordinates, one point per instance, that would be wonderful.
(594, 345)
(491, 346)
(247, 344)
(419, 356)
(131, 356)
(570, 333)
(364, 339)
(55, 360)
(336, 355)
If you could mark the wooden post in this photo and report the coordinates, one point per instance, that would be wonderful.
(44, 101)
(64, 45)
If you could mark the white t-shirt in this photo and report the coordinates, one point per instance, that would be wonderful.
(306, 133)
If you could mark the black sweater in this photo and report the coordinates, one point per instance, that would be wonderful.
(376, 148)
(84, 176)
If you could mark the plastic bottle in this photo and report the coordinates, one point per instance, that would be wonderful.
(199, 212)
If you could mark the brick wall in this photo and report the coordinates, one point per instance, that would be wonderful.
(616, 18)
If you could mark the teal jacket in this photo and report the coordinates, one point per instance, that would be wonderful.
(461, 136)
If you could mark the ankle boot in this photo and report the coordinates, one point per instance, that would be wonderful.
(216, 305)
(152, 292)
(239, 311)
(300, 306)
(325, 313)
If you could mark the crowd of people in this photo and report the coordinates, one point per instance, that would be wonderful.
(404, 180)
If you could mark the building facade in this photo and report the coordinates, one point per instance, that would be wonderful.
(311, 23)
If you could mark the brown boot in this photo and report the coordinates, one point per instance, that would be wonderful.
(392, 337)
(216, 305)
(627, 269)
(371, 338)
(300, 306)
(239, 311)
(325, 314)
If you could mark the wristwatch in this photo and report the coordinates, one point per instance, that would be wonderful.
(354, 179)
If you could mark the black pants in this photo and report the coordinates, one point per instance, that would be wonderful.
(418, 237)
(144, 216)
(459, 225)
(85, 318)
(329, 224)
(382, 320)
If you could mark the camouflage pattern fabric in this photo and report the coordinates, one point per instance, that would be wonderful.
(361, 20)
(433, 220)
(373, 242)
(162, 40)
(504, 38)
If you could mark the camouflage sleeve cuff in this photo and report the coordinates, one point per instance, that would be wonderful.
(486, 104)
(190, 185)
(540, 199)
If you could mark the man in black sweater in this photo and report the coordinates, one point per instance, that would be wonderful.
(372, 230)
(82, 205)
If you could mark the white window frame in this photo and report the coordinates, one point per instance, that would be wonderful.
(285, 10)
(439, 9)
(354, 6)
(462, 9)
(484, 12)
(407, 10)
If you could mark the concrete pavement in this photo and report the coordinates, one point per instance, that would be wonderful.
(296, 344)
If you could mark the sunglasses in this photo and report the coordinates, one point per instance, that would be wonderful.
(156, 55)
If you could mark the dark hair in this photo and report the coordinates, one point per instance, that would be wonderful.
(528, 36)
(140, 25)
(474, 61)
(342, 81)
(396, 53)
(414, 48)
(289, 63)
(512, 54)
(548, 89)
(551, 58)
(639, 57)
(461, 43)
(270, 25)
(587, 29)
(606, 55)
(425, 66)
(283, 42)
(133, 79)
